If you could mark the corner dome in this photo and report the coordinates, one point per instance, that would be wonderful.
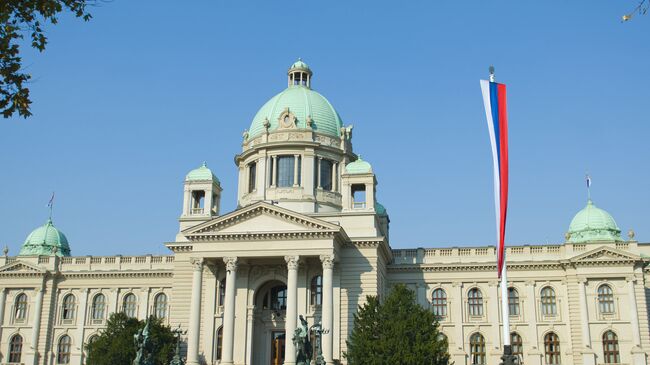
(593, 224)
(358, 167)
(301, 101)
(201, 173)
(380, 209)
(43, 240)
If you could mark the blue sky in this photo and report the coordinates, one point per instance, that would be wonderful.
(126, 104)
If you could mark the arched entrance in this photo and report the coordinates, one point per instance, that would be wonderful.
(269, 328)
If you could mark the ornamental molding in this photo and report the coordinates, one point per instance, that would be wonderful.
(22, 268)
(604, 255)
(118, 274)
(487, 267)
(308, 227)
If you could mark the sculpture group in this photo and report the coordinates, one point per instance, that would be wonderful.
(302, 342)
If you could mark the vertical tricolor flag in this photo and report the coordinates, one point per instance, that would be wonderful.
(494, 98)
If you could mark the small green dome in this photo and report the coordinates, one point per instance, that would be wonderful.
(43, 240)
(300, 64)
(358, 167)
(380, 209)
(593, 224)
(303, 103)
(202, 173)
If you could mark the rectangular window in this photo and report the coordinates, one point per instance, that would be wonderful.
(285, 171)
(326, 174)
(252, 172)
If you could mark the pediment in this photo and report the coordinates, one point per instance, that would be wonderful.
(21, 267)
(260, 218)
(605, 254)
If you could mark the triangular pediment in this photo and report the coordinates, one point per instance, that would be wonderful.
(605, 254)
(20, 266)
(260, 218)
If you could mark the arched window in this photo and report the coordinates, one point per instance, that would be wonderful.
(285, 171)
(276, 298)
(552, 349)
(516, 344)
(222, 291)
(15, 349)
(99, 306)
(129, 305)
(63, 350)
(477, 349)
(219, 345)
(439, 303)
(67, 310)
(549, 306)
(21, 307)
(160, 306)
(475, 302)
(610, 348)
(605, 299)
(92, 338)
(326, 168)
(316, 290)
(513, 301)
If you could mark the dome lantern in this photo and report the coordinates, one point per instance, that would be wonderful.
(299, 74)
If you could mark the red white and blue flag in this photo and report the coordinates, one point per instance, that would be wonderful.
(494, 98)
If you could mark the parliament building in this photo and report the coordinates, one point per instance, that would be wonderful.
(310, 237)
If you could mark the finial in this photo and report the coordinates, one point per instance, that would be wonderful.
(300, 59)
(6, 250)
(204, 164)
(567, 236)
(54, 250)
(491, 70)
(588, 181)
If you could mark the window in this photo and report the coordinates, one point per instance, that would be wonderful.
(326, 174)
(605, 299)
(552, 349)
(63, 350)
(99, 305)
(285, 171)
(160, 306)
(129, 305)
(219, 344)
(610, 348)
(475, 302)
(439, 303)
(92, 338)
(252, 170)
(277, 300)
(222, 291)
(15, 349)
(358, 196)
(516, 344)
(21, 307)
(67, 312)
(198, 201)
(513, 301)
(477, 349)
(317, 290)
(549, 306)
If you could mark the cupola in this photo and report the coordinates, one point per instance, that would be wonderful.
(201, 198)
(358, 186)
(593, 224)
(299, 74)
(45, 241)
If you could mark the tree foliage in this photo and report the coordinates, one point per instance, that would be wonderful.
(17, 19)
(397, 331)
(115, 345)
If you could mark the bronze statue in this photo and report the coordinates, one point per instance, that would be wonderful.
(143, 355)
(301, 342)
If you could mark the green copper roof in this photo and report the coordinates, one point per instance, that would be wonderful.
(380, 209)
(299, 64)
(302, 102)
(43, 239)
(202, 173)
(358, 167)
(593, 224)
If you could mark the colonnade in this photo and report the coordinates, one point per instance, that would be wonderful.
(293, 262)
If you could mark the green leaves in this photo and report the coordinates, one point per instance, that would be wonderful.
(16, 18)
(115, 344)
(397, 331)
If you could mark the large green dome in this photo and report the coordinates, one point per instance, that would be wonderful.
(593, 224)
(43, 240)
(302, 102)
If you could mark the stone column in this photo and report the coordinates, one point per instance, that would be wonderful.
(588, 356)
(3, 299)
(295, 170)
(493, 316)
(37, 320)
(274, 172)
(194, 328)
(534, 356)
(335, 176)
(634, 313)
(320, 161)
(328, 307)
(292, 308)
(229, 311)
(456, 310)
(81, 334)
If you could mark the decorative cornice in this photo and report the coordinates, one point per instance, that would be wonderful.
(120, 274)
(260, 236)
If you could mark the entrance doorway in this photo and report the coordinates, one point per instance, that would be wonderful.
(277, 347)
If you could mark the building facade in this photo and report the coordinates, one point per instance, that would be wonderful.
(310, 238)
